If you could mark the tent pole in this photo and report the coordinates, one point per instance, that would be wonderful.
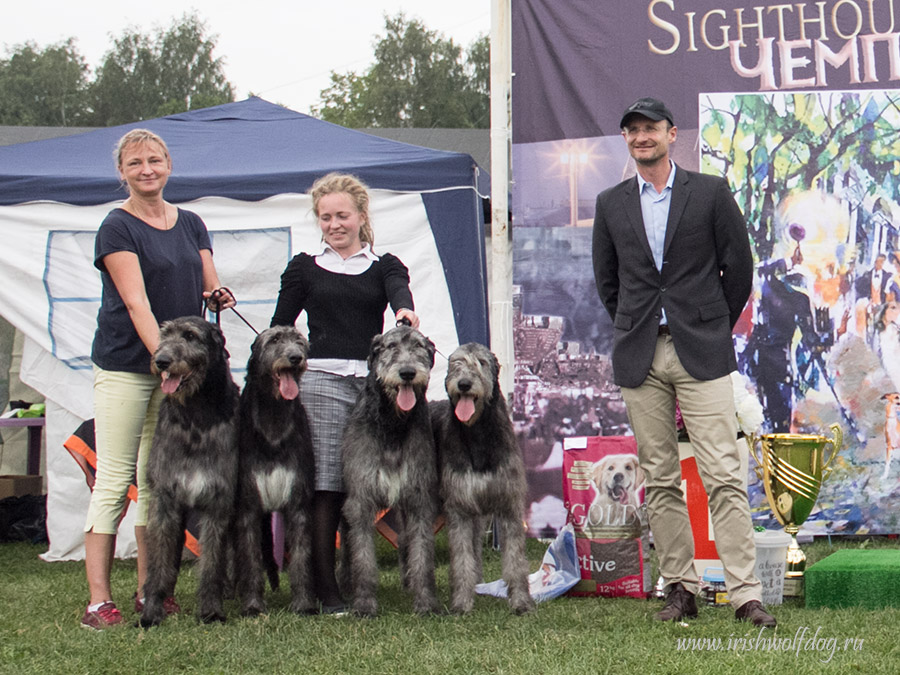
(500, 290)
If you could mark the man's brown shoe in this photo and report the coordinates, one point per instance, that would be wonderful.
(755, 613)
(680, 604)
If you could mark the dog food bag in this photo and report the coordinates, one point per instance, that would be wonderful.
(604, 498)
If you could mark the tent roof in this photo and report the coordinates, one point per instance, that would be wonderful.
(10, 135)
(248, 150)
(475, 142)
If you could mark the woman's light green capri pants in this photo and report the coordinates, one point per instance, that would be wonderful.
(126, 406)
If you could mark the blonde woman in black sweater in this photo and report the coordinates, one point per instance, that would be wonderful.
(345, 289)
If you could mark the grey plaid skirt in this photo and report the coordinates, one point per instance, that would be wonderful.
(328, 400)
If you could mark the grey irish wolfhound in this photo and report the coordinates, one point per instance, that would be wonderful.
(193, 464)
(277, 468)
(389, 462)
(482, 475)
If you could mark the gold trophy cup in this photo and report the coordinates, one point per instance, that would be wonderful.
(792, 468)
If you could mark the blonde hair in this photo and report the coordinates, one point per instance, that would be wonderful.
(134, 137)
(353, 187)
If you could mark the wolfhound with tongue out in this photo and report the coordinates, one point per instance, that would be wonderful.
(277, 469)
(482, 475)
(193, 464)
(389, 463)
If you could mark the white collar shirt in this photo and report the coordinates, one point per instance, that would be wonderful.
(655, 211)
(359, 262)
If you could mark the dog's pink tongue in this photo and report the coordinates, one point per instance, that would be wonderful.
(288, 387)
(406, 398)
(465, 408)
(619, 494)
(170, 383)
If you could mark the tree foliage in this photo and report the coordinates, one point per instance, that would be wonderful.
(418, 79)
(142, 76)
(173, 70)
(44, 87)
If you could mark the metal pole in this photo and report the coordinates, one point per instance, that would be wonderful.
(500, 290)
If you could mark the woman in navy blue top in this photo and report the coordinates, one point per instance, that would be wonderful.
(155, 262)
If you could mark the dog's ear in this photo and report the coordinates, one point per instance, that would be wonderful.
(302, 339)
(374, 351)
(256, 346)
(217, 340)
(431, 350)
(254, 354)
(495, 374)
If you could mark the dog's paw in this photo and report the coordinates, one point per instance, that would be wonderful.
(148, 621)
(366, 610)
(523, 607)
(211, 617)
(254, 609)
(304, 608)
(427, 608)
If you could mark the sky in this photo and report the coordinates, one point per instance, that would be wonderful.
(282, 51)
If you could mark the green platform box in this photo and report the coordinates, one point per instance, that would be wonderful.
(855, 578)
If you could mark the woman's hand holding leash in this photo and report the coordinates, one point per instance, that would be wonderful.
(408, 317)
(219, 299)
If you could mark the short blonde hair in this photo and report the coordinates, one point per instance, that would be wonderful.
(134, 137)
(353, 187)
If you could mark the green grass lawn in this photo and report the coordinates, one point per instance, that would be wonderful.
(41, 606)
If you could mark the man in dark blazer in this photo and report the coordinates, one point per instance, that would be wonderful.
(674, 270)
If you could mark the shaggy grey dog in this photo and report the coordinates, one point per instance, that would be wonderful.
(193, 464)
(277, 469)
(482, 474)
(389, 462)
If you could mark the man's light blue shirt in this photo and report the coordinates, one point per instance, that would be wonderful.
(655, 211)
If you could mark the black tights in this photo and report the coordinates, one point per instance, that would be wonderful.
(326, 519)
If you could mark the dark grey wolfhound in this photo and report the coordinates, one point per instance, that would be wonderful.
(482, 475)
(277, 469)
(389, 462)
(193, 464)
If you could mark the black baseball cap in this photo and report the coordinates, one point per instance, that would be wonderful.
(653, 108)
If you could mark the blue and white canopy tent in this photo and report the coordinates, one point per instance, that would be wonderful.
(244, 168)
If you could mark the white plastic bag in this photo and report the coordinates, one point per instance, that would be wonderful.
(558, 573)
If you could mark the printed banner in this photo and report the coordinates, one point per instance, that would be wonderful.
(793, 104)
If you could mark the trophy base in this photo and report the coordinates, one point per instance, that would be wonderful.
(793, 587)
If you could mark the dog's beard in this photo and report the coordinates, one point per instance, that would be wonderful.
(465, 408)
